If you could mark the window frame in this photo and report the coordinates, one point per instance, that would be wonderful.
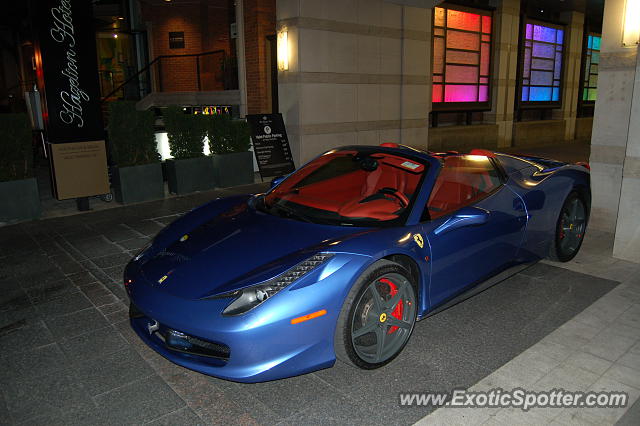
(521, 59)
(425, 216)
(462, 106)
(585, 54)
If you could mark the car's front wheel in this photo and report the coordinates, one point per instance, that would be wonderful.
(377, 317)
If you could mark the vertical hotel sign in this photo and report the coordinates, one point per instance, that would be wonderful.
(68, 79)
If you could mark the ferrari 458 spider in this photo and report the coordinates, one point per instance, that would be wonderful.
(339, 259)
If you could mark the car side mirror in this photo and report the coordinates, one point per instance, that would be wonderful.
(276, 181)
(466, 216)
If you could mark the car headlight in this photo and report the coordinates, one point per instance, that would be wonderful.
(143, 250)
(250, 297)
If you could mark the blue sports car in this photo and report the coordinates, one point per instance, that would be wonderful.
(339, 259)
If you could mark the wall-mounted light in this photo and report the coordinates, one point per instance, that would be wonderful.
(631, 24)
(283, 50)
(115, 35)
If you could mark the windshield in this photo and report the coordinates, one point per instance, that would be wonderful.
(354, 187)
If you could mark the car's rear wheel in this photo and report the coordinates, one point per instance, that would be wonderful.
(570, 229)
(378, 316)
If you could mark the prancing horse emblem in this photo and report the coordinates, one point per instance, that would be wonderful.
(418, 239)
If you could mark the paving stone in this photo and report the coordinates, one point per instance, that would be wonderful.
(111, 260)
(565, 374)
(24, 315)
(631, 417)
(96, 246)
(623, 374)
(19, 366)
(82, 278)
(117, 272)
(336, 409)
(134, 244)
(51, 291)
(140, 401)
(120, 232)
(25, 337)
(73, 302)
(145, 227)
(630, 359)
(184, 416)
(14, 299)
(588, 362)
(609, 346)
(77, 323)
(113, 307)
(111, 371)
(93, 344)
(44, 395)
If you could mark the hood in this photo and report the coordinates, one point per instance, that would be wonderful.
(235, 249)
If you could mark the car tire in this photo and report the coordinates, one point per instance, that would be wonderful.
(570, 228)
(372, 331)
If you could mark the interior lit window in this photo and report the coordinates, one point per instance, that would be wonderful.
(591, 63)
(461, 56)
(542, 63)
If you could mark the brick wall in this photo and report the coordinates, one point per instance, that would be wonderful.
(259, 21)
(205, 24)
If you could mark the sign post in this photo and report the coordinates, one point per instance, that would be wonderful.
(68, 82)
(270, 145)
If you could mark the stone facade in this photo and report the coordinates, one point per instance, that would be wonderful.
(358, 74)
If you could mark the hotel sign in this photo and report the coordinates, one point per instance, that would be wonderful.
(68, 79)
(270, 145)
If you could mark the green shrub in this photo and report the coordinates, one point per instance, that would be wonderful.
(131, 136)
(185, 132)
(16, 149)
(226, 135)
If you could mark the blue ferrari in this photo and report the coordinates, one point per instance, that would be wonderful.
(341, 258)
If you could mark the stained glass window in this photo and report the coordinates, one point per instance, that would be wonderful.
(461, 56)
(542, 63)
(591, 63)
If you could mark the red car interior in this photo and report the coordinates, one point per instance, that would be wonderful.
(461, 181)
(338, 182)
(356, 193)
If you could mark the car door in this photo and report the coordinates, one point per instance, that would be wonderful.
(474, 224)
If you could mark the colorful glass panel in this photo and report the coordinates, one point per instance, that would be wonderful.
(541, 63)
(461, 93)
(463, 20)
(591, 61)
(461, 74)
(461, 56)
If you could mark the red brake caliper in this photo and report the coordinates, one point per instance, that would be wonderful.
(397, 311)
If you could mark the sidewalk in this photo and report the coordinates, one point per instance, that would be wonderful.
(598, 349)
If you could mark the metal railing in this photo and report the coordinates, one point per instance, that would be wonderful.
(206, 71)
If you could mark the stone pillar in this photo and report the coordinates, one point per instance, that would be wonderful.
(627, 241)
(615, 143)
(505, 66)
(572, 66)
(416, 76)
(359, 73)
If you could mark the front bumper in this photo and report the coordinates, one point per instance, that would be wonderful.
(262, 344)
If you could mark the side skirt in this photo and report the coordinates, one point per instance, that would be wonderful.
(479, 288)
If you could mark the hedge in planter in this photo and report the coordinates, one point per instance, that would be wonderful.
(229, 143)
(189, 170)
(138, 175)
(18, 187)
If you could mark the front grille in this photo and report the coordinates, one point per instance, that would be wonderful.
(176, 340)
(181, 342)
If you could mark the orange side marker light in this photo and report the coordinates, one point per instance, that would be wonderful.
(308, 316)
